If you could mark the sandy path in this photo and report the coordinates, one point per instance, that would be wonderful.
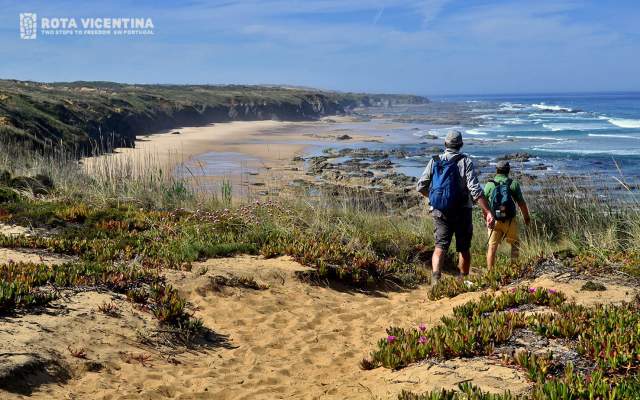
(293, 341)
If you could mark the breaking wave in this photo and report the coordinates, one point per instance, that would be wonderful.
(545, 107)
(624, 123)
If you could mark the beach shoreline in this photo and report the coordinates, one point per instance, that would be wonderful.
(261, 155)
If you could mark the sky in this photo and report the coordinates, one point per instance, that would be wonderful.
(427, 47)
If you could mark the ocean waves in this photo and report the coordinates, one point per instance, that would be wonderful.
(613, 135)
(552, 108)
(561, 126)
(624, 123)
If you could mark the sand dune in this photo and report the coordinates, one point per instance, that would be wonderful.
(289, 341)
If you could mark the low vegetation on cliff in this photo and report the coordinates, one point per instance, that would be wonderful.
(90, 117)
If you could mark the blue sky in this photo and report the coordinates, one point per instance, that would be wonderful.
(414, 46)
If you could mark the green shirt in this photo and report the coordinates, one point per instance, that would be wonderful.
(516, 192)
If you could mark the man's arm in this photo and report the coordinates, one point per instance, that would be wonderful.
(519, 198)
(525, 211)
(477, 194)
(425, 180)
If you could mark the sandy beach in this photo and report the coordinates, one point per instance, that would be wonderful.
(253, 156)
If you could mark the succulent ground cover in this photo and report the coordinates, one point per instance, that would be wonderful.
(606, 339)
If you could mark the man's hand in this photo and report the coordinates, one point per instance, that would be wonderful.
(484, 205)
(490, 220)
(525, 212)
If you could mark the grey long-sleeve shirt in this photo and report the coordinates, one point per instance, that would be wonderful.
(467, 172)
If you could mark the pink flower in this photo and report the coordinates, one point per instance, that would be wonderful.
(552, 291)
(391, 339)
(422, 327)
(422, 340)
(532, 290)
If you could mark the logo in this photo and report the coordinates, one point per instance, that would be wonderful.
(28, 26)
(80, 26)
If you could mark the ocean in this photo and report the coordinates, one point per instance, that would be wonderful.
(590, 136)
(595, 135)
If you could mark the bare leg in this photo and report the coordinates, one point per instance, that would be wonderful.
(437, 259)
(515, 251)
(464, 262)
(491, 255)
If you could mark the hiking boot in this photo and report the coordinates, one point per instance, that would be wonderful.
(435, 278)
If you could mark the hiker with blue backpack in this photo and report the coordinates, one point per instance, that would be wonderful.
(504, 194)
(451, 184)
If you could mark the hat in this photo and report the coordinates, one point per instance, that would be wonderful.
(503, 165)
(453, 139)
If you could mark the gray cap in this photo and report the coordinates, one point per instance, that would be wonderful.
(503, 165)
(453, 139)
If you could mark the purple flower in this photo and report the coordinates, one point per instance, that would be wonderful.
(552, 291)
(391, 339)
(422, 340)
(422, 327)
(532, 290)
(512, 309)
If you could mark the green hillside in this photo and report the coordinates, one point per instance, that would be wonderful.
(90, 117)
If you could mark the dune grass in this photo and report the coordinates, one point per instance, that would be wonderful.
(120, 214)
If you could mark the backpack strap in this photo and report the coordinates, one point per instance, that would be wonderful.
(457, 157)
(509, 181)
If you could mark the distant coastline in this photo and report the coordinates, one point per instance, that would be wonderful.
(87, 118)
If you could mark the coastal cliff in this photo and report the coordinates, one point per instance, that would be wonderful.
(94, 117)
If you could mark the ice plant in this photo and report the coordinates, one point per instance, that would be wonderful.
(422, 340)
(391, 339)
(422, 327)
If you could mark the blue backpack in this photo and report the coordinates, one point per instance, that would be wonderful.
(446, 192)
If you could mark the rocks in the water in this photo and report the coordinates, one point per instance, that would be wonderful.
(317, 165)
(297, 159)
(519, 157)
(176, 132)
(540, 167)
(343, 137)
(382, 164)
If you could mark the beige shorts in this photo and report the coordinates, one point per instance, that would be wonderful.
(504, 230)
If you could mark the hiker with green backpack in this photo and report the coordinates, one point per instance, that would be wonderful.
(504, 194)
(451, 184)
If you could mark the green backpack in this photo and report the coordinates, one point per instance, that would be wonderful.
(501, 202)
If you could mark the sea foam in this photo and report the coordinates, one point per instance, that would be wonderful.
(624, 123)
(475, 132)
(546, 107)
(613, 136)
(556, 127)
